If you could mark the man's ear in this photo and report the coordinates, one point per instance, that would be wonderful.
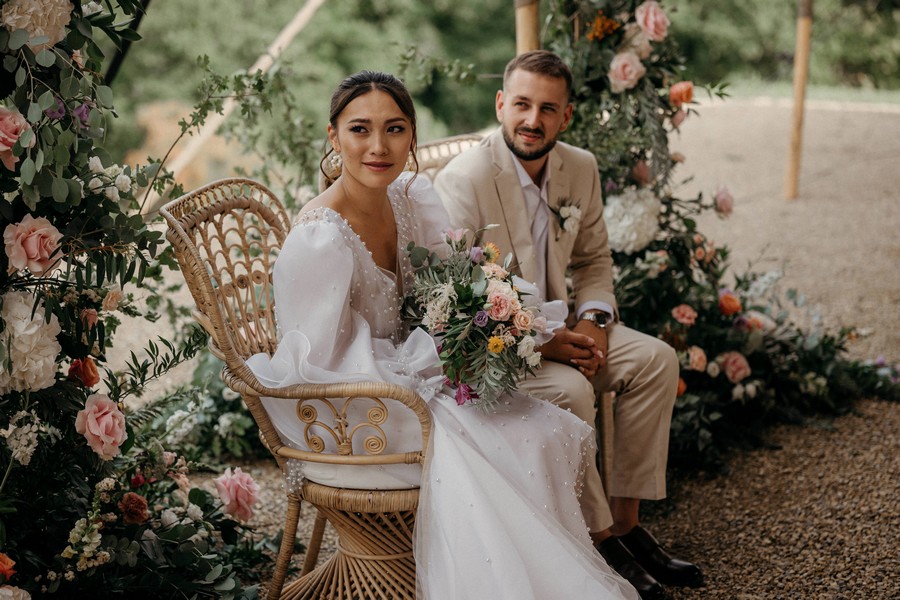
(567, 116)
(498, 105)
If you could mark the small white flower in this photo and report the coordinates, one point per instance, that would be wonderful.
(195, 512)
(111, 193)
(123, 183)
(168, 518)
(91, 8)
(750, 390)
(95, 184)
(712, 369)
(95, 165)
(737, 392)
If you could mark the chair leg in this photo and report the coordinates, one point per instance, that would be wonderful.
(604, 427)
(287, 548)
(315, 543)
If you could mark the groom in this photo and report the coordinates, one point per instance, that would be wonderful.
(546, 197)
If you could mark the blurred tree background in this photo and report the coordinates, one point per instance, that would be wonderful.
(855, 43)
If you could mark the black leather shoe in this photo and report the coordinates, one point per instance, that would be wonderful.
(622, 562)
(664, 567)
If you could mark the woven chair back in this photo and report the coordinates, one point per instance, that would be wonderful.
(226, 237)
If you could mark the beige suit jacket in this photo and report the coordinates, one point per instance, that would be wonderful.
(481, 187)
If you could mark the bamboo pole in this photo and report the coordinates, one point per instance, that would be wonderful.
(214, 121)
(528, 25)
(801, 73)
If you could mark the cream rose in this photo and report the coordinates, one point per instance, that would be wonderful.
(32, 244)
(625, 70)
(523, 320)
(652, 20)
(501, 306)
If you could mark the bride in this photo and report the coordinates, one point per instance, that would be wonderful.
(498, 512)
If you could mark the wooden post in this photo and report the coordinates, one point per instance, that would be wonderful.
(528, 25)
(801, 73)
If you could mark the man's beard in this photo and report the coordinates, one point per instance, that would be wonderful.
(522, 154)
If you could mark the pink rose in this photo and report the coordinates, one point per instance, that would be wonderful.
(697, 358)
(652, 20)
(169, 458)
(684, 314)
(238, 493)
(102, 424)
(523, 320)
(734, 365)
(678, 118)
(112, 299)
(625, 71)
(724, 201)
(12, 126)
(89, 317)
(31, 243)
(501, 306)
(681, 92)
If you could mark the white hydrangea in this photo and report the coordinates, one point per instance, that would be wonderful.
(632, 219)
(31, 343)
(9, 592)
(39, 18)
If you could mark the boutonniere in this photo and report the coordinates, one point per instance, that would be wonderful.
(569, 216)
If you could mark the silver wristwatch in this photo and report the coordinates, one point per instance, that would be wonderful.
(598, 318)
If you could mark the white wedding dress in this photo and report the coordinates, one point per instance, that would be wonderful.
(498, 515)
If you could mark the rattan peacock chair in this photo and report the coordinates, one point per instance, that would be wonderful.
(226, 237)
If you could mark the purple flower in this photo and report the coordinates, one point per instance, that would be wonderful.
(476, 254)
(56, 113)
(82, 113)
(610, 186)
(464, 394)
(481, 318)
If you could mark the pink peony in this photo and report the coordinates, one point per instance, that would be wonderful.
(681, 92)
(697, 358)
(31, 243)
(501, 306)
(238, 493)
(12, 126)
(684, 314)
(652, 20)
(625, 70)
(734, 365)
(102, 424)
(724, 201)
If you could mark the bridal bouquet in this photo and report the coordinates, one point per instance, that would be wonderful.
(485, 322)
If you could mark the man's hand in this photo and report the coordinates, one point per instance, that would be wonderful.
(578, 348)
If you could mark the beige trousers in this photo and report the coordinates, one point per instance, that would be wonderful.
(643, 372)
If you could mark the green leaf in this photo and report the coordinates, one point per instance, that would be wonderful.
(46, 100)
(21, 74)
(105, 96)
(68, 87)
(17, 39)
(34, 112)
(60, 190)
(39, 159)
(45, 58)
(27, 171)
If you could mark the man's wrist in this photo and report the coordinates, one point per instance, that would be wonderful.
(599, 318)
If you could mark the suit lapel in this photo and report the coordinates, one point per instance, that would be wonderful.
(512, 205)
(557, 244)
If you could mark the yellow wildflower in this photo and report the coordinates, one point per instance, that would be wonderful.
(491, 252)
(496, 344)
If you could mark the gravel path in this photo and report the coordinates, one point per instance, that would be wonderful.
(818, 517)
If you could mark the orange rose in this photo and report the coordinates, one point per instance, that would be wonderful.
(729, 304)
(682, 387)
(681, 92)
(6, 566)
(84, 371)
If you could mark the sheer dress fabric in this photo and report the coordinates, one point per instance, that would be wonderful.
(498, 511)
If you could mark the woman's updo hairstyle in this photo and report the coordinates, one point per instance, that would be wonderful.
(355, 86)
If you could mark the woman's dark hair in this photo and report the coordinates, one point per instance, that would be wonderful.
(362, 83)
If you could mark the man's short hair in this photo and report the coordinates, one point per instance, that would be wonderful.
(542, 62)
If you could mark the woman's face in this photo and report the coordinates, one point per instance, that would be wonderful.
(374, 139)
